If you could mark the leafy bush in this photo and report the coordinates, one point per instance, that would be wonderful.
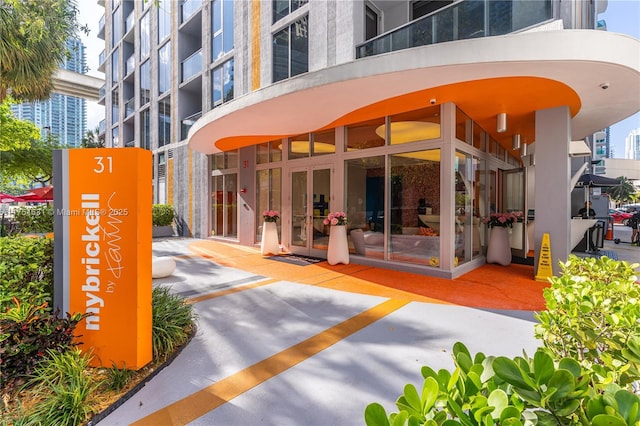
(162, 215)
(117, 378)
(27, 333)
(521, 391)
(34, 219)
(172, 320)
(65, 388)
(26, 268)
(592, 315)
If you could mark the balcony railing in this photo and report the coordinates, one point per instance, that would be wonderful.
(187, 123)
(191, 66)
(130, 65)
(101, 28)
(102, 91)
(129, 22)
(102, 126)
(188, 8)
(130, 107)
(461, 21)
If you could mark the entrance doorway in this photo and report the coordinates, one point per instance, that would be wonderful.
(310, 204)
(514, 200)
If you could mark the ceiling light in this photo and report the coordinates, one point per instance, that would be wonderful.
(523, 150)
(501, 122)
(302, 147)
(410, 131)
(515, 141)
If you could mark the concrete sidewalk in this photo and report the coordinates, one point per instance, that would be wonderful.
(274, 351)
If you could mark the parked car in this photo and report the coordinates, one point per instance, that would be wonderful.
(619, 216)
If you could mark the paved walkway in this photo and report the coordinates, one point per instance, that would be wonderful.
(284, 344)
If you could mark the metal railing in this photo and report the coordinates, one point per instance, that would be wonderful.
(130, 107)
(460, 21)
(186, 123)
(191, 66)
(129, 22)
(188, 8)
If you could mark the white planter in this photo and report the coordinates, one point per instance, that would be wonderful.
(499, 250)
(269, 243)
(338, 250)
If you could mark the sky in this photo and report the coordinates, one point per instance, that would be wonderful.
(621, 16)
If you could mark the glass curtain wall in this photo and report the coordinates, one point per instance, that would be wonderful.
(414, 207)
(468, 193)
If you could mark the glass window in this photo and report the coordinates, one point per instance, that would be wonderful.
(145, 37)
(464, 127)
(115, 65)
(268, 195)
(364, 201)
(145, 140)
(115, 137)
(414, 207)
(365, 134)
(225, 160)
(467, 208)
(224, 202)
(115, 106)
(164, 68)
(222, 83)
(282, 8)
(291, 50)
(116, 26)
(269, 152)
(164, 122)
(222, 28)
(164, 19)
(145, 83)
(418, 125)
(370, 23)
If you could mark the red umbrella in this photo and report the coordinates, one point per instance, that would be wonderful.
(6, 198)
(39, 194)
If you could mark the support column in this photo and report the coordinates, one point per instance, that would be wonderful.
(552, 178)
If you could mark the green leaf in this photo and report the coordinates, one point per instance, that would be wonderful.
(509, 412)
(571, 365)
(511, 373)
(413, 399)
(400, 419)
(568, 408)
(563, 382)
(607, 420)
(628, 404)
(499, 400)
(543, 367)
(374, 415)
(430, 390)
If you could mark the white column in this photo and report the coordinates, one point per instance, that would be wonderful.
(552, 177)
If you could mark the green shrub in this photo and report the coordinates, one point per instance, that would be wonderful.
(592, 315)
(520, 391)
(34, 219)
(162, 214)
(172, 321)
(26, 268)
(27, 334)
(117, 378)
(66, 389)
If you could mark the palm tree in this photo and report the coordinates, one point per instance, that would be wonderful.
(32, 45)
(625, 192)
(93, 139)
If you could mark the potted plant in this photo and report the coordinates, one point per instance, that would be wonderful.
(499, 249)
(270, 243)
(162, 218)
(338, 249)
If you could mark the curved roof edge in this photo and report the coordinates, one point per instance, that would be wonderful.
(582, 60)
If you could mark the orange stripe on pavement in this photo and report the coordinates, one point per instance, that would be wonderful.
(208, 399)
(228, 291)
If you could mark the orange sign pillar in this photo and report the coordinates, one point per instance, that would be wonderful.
(102, 257)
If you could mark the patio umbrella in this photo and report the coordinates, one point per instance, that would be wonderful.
(39, 194)
(600, 181)
(6, 198)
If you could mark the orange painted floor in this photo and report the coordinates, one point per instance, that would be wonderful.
(490, 286)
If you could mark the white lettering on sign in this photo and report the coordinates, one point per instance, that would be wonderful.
(91, 287)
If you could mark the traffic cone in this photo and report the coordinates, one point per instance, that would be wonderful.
(609, 233)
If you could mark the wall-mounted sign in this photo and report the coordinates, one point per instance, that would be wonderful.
(102, 257)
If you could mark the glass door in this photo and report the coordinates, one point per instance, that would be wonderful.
(310, 205)
(514, 201)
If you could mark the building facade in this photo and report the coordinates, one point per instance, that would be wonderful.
(632, 145)
(417, 118)
(62, 116)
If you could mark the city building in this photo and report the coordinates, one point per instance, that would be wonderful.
(416, 118)
(62, 116)
(632, 145)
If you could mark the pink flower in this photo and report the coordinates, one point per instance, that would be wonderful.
(336, 218)
(334, 221)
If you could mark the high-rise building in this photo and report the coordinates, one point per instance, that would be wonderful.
(417, 118)
(632, 145)
(62, 116)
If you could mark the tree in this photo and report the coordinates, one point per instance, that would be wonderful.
(32, 45)
(93, 139)
(31, 164)
(15, 134)
(626, 192)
